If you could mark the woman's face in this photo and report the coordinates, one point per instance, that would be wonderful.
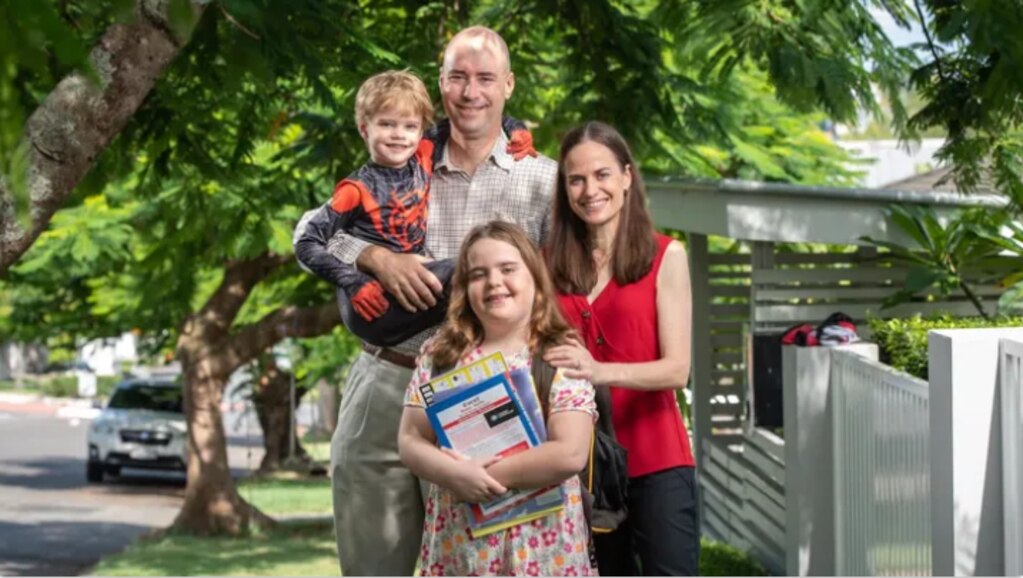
(501, 288)
(596, 184)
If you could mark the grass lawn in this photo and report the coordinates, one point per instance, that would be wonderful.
(318, 450)
(293, 549)
(299, 548)
(281, 495)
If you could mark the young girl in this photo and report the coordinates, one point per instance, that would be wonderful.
(501, 300)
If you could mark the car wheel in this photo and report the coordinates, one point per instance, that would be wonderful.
(94, 472)
(114, 470)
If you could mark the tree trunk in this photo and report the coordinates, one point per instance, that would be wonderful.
(212, 503)
(79, 119)
(209, 353)
(271, 395)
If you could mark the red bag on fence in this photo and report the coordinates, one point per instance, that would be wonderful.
(837, 329)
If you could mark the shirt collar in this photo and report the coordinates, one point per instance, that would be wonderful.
(498, 155)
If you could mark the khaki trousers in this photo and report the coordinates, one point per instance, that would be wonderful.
(378, 505)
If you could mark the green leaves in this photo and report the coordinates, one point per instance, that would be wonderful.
(947, 255)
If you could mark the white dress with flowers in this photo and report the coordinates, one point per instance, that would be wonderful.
(555, 545)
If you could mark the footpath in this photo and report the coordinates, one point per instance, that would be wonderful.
(34, 403)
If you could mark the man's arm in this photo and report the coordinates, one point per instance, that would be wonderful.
(312, 241)
(403, 276)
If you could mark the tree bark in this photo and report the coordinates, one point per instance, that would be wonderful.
(271, 395)
(209, 353)
(79, 119)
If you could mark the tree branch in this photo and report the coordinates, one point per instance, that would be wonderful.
(285, 322)
(79, 119)
(240, 277)
(930, 41)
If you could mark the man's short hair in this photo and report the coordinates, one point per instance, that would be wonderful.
(397, 90)
(482, 37)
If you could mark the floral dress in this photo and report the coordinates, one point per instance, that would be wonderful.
(555, 545)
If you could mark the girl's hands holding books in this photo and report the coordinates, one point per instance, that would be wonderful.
(469, 481)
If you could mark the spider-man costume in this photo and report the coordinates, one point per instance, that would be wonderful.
(387, 207)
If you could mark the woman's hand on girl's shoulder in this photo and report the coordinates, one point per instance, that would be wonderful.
(576, 360)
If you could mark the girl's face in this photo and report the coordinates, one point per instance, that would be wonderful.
(501, 288)
(596, 184)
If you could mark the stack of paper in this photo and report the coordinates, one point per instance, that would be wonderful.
(483, 410)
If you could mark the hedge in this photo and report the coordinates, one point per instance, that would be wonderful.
(903, 342)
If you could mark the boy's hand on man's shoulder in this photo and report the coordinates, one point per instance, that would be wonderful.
(520, 144)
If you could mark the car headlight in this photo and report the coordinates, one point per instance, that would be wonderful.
(103, 428)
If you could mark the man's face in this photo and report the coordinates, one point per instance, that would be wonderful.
(474, 85)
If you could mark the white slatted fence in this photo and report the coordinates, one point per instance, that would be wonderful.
(1011, 385)
(882, 469)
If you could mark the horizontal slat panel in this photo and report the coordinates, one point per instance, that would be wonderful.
(735, 357)
(719, 340)
(851, 292)
(729, 310)
(768, 443)
(730, 291)
(772, 534)
(729, 258)
(821, 258)
(818, 275)
(815, 313)
(714, 274)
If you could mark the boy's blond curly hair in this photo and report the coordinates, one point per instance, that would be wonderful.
(398, 90)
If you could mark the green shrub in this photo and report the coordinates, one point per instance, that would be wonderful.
(62, 386)
(105, 385)
(903, 342)
(720, 559)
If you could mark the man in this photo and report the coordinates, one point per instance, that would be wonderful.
(378, 508)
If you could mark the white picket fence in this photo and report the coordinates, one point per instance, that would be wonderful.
(1011, 389)
(882, 469)
(881, 473)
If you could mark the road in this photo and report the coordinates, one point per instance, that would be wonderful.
(53, 523)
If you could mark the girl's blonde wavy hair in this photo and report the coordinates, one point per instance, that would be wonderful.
(462, 328)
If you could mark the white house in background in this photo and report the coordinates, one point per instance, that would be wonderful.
(105, 356)
(893, 161)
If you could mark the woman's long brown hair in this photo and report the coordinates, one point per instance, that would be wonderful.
(569, 250)
(462, 328)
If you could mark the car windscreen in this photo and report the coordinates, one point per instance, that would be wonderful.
(147, 397)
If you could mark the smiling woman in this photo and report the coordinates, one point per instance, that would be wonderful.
(625, 288)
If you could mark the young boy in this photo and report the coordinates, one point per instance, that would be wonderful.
(385, 202)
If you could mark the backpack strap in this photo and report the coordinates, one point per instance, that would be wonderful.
(543, 377)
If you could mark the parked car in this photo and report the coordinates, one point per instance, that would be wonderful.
(142, 426)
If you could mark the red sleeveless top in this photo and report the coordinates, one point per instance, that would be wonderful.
(620, 326)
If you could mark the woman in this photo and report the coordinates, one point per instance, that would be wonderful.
(626, 290)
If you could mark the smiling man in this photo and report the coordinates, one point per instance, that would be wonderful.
(378, 508)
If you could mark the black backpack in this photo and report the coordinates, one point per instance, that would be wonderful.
(604, 478)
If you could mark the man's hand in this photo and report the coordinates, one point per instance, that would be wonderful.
(520, 144)
(369, 301)
(469, 480)
(403, 276)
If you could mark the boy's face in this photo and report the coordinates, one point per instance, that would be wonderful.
(392, 137)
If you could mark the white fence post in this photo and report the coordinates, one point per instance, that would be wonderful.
(1011, 389)
(967, 506)
(809, 477)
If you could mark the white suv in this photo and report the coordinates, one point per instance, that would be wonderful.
(143, 426)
